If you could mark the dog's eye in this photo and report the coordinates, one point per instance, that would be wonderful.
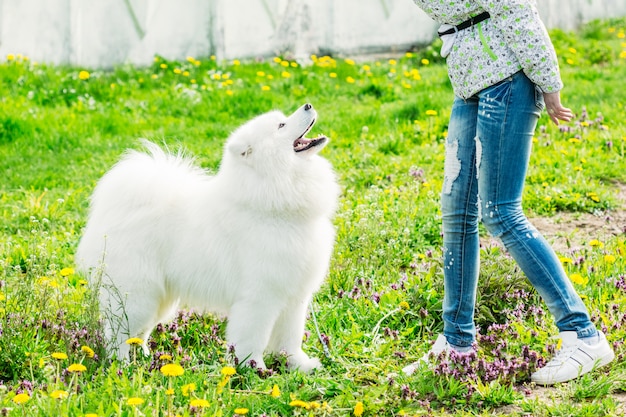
(281, 125)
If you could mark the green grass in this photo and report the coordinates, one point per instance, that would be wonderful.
(379, 309)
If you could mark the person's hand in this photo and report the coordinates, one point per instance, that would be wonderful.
(555, 109)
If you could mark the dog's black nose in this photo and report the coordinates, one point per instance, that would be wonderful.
(307, 106)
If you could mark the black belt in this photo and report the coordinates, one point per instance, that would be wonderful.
(469, 22)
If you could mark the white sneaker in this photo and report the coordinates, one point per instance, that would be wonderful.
(574, 359)
(441, 345)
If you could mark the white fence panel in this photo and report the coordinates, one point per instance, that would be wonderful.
(104, 33)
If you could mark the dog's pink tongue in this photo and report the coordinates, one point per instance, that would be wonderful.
(301, 143)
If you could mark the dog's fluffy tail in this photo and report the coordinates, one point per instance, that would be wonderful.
(144, 179)
(163, 156)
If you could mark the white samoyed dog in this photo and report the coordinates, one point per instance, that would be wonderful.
(252, 242)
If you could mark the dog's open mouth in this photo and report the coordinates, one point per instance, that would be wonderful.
(302, 144)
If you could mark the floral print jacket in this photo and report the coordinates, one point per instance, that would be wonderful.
(514, 38)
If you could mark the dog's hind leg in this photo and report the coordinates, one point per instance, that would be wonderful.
(287, 336)
(135, 316)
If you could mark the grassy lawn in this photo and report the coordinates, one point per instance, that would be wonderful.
(62, 128)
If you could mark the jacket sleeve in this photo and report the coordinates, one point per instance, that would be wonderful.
(527, 37)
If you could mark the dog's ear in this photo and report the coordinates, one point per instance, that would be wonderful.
(242, 150)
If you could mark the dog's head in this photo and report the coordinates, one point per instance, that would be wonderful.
(277, 137)
(272, 165)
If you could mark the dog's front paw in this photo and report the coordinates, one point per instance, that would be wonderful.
(303, 363)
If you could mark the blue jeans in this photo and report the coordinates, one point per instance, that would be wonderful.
(487, 153)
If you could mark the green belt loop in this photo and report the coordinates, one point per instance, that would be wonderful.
(484, 42)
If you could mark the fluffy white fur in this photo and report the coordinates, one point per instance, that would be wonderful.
(252, 242)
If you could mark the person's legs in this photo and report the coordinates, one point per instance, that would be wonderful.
(508, 114)
(460, 217)
(487, 154)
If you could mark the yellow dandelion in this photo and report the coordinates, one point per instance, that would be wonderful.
(135, 401)
(90, 415)
(570, 61)
(88, 351)
(163, 66)
(59, 394)
(578, 279)
(404, 305)
(228, 371)
(165, 357)
(10, 57)
(83, 75)
(260, 74)
(241, 411)
(610, 259)
(293, 65)
(21, 398)
(409, 55)
(199, 403)
(367, 68)
(236, 62)
(277, 60)
(285, 74)
(572, 50)
(185, 73)
(169, 391)
(67, 272)
(358, 409)
(425, 61)
(188, 389)
(134, 341)
(350, 80)
(265, 88)
(172, 369)
(566, 261)
(275, 391)
(76, 368)
(595, 243)
(431, 112)
(284, 63)
(349, 61)
(333, 75)
(594, 197)
(392, 62)
(300, 403)
(59, 355)
(177, 71)
(154, 76)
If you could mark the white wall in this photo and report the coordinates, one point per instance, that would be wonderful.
(103, 33)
